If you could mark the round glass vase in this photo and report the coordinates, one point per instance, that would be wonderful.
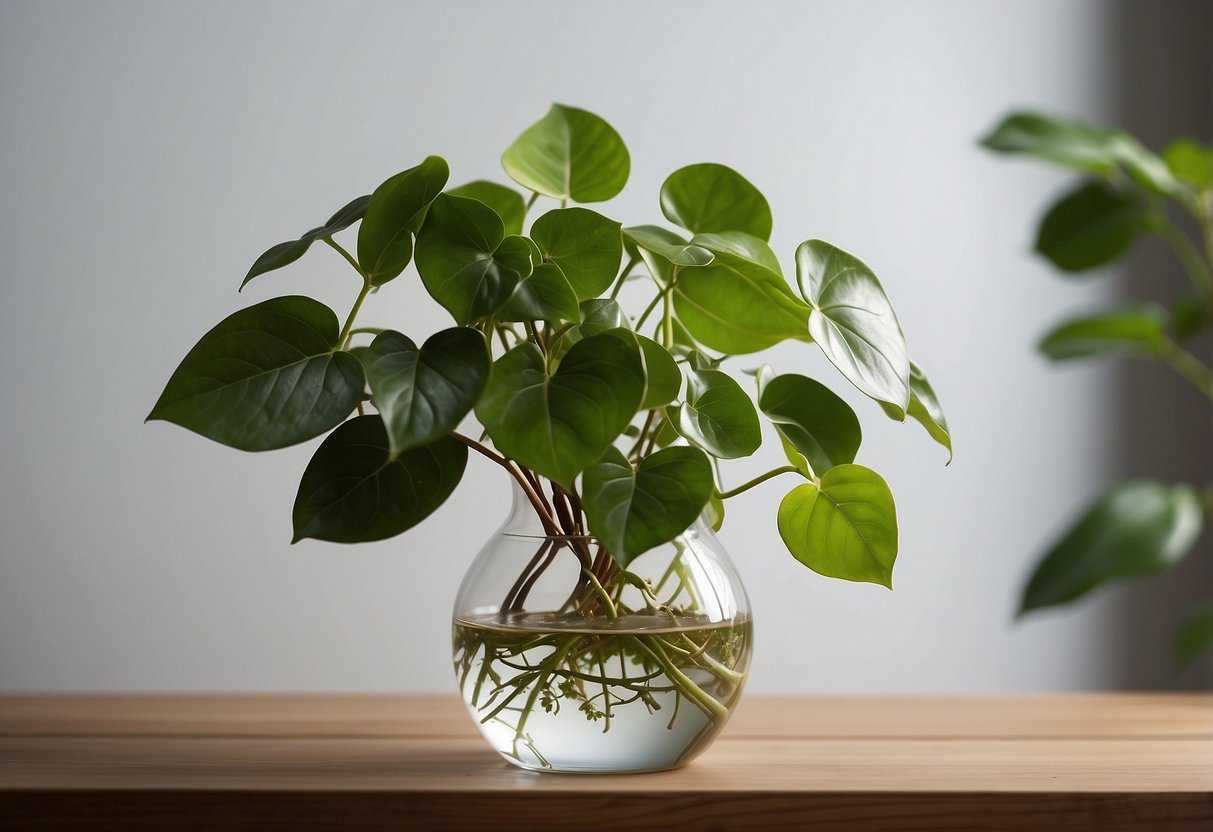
(569, 662)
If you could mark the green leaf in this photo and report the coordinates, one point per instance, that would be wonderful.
(543, 296)
(816, 422)
(283, 254)
(743, 245)
(395, 213)
(718, 416)
(1131, 329)
(466, 262)
(560, 423)
(662, 377)
(1190, 317)
(569, 154)
(423, 394)
(266, 377)
(1194, 634)
(601, 314)
(846, 528)
(853, 322)
(925, 409)
(737, 306)
(354, 491)
(1191, 162)
(585, 245)
(667, 245)
(507, 202)
(714, 513)
(1090, 227)
(709, 198)
(634, 511)
(1139, 527)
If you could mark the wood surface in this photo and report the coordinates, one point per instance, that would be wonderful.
(1103, 761)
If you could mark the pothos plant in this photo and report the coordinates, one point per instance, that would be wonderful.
(1138, 527)
(610, 423)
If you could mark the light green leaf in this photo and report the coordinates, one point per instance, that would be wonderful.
(673, 249)
(853, 322)
(543, 296)
(924, 409)
(560, 423)
(1090, 227)
(354, 491)
(737, 306)
(709, 198)
(663, 378)
(569, 154)
(266, 377)
(816, 422)
(718, 416)
(1191, 162)
(283, 254)
(396, 210)
(466, 262)
(743, 245)
(632, 511)
(1194, 634)
(585, 245)
(846, 528)
(1139, 527)
(1131, 329)
(507, 202)
(423, 394)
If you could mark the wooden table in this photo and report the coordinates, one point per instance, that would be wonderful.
(1107, 762)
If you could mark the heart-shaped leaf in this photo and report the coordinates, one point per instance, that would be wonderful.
(395, 213)
(1091, 226)
(355, 491)
(569, 154)
(1136, 528)
(543, 296)
(283, 254)
(507, 202)
(718, 416)
(265, 377)
(654, 239)
(744, 245)
(816, 422)
(1131, 329)
(632, 511)
(466, 262)
(709, 198)
(662, 377)
(560, 423)
(924, 409)
(423, 394)
(853, 322)
(846, 528)
(585, 245)
(737, 306)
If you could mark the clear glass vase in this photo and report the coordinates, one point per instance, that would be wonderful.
(568, 662)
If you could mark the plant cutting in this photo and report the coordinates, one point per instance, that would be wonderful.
(603, 628)
(1138, 527)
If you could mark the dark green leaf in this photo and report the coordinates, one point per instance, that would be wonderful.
(346, 216)
(710, 198)
(286, 253)
(1090, 227)
(507, 202)
(1139, 527)
(1191, 162)
(633, 511)
(846, 528)
(663, 379)
(1190, 317)
(585, 245)
(1194, 634)
(353, 491)
(396, 210)
(1130, 329)
(600, 314)
(718, 416)
(466, 262)
(817, 423)
(569, 154)
(737, 306)
(266, 377)
(667, 245)
(558, 424)
(853, 322)
(743, 245)
(423, 394)
(543, 296)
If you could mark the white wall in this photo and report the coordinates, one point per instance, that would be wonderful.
(152, 150)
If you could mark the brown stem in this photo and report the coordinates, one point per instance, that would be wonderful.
(545, 516)
(515, 598)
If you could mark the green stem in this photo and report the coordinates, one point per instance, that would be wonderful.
(1189, 366)
(758, 480)
(602, 594)
(623, 276)
(349, 321)
(704, 700)
(348, 257)
(1196, 267)
(530, 202)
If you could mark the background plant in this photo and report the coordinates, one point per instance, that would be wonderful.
(1138, 527)
(612, 425)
